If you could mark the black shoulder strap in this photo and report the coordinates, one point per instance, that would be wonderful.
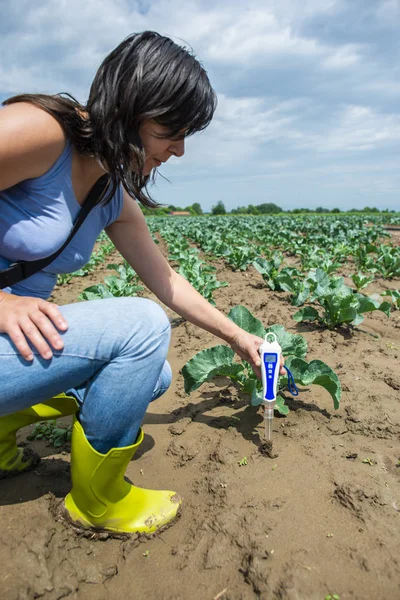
(24, 269)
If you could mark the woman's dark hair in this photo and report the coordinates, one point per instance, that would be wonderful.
(147, 76)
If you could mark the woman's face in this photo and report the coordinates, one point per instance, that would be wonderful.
(158, 149)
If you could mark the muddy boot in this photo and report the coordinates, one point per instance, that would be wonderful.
(14, 460)
(101, 499)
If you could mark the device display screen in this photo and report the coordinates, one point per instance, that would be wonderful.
(269, 358)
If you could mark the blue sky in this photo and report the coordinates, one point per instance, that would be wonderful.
(308, 111)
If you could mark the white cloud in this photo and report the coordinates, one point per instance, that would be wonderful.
(355, 129)
(257, 120)
(253, 36)
(343, 57)
(388, 11)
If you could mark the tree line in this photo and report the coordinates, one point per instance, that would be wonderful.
(266, 208)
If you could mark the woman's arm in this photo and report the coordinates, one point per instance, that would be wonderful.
(31, 140)
(132, 238)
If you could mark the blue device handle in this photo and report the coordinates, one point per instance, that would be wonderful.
(271, 364)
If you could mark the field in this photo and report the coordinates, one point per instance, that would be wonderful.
(321, 519)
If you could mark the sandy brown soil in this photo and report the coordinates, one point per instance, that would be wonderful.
(314, 520)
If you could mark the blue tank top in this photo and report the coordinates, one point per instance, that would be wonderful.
(36, 217)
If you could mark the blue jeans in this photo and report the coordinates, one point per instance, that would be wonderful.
(113, 361)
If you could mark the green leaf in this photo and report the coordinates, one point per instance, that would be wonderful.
(308, 313)
(366, 304)
(359, 319)
(286, 282)
(385, 307)
(209, 363)
(250, 386)
(394, 296)
(244, 319)
(316, 372)
(280, 405)
(349, 315)
(302, 295)
(263, 266)
(257, 397)
(291, 343)
(321, 281)
(112, 280)
(95, 291)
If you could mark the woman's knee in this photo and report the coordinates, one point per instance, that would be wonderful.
(157, 316)
(149, 327)
(163, 382)
(140, 313)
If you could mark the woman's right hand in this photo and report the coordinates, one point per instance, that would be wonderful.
(24, 318)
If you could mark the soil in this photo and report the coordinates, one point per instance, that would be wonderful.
(318, 519)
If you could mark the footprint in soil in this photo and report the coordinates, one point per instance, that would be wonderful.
(266, 450)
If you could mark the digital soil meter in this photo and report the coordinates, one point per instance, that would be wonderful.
(271, 353)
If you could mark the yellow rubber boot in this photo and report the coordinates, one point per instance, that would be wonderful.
(101, 499)
(14, 460)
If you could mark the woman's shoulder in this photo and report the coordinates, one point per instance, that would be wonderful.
(31, 140)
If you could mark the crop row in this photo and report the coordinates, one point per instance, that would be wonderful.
(319, 246)
(314, 242)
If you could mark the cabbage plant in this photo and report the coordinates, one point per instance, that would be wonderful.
(126, 283)
(394, 296)
(338, 304)
(274, 278)
(361, 281)
(201, 276)
(221, 361)
(240, 257)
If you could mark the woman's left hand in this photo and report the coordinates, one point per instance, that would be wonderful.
(246, 345)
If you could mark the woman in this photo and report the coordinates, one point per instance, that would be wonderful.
(109, 356)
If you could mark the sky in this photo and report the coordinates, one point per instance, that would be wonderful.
(308, 92)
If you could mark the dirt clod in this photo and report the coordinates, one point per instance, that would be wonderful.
(266, 450)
